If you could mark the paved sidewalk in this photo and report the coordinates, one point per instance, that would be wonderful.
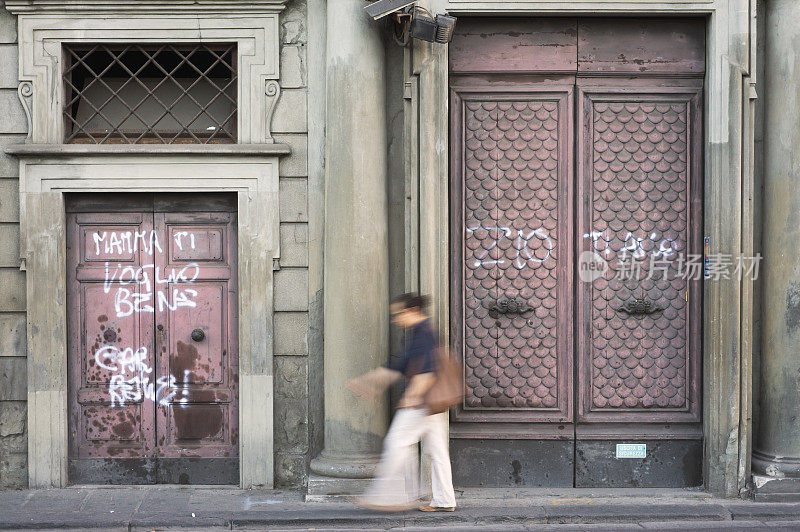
(184, 508)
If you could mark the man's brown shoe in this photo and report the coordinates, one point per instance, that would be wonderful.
(429, 508)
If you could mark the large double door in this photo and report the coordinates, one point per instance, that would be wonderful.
(576, 215)
(153, 357)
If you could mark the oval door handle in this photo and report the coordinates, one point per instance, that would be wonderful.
(198, 335)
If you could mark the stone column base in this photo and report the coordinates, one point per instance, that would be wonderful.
(775, 466)
(346, 466)
(776, 489)
(775, 478)
(326, 489)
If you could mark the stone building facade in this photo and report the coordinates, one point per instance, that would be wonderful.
(356, 168)
(292, 391)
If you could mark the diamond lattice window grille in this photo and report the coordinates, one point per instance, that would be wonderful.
(161, 93)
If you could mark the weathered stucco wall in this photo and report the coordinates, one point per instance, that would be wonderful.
(13, 374)
(290, 126)
(396, 186)
(758, 206)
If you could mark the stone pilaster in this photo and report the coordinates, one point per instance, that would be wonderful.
(777, 447)
(356, 329)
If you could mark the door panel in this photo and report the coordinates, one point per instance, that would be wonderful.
(515, 44)
(201, 418)
(639, 46)
(515, 165)
(640, 179)
(112, 347)
(153, 353)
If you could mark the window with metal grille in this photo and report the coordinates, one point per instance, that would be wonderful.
(162, 93)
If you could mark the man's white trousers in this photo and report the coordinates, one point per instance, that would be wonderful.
(397, 475)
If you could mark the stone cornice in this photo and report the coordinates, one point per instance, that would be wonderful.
(143, 7)
(88, 150)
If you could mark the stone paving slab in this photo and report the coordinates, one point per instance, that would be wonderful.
(704, 526)
(751, 510)
(538, 528)
(82, 529)
(185, 508)
(707, 525)
(633, 512)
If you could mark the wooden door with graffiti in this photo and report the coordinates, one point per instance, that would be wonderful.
(576, 196)
(153, 352)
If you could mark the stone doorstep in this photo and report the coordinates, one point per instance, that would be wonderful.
(154, 487)
(330, 489)
(574, 494)
(777, 497)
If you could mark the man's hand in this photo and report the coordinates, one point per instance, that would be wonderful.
(360, 386)
(372, 384)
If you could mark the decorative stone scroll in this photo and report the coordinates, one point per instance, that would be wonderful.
(25, 91)
(272, 90)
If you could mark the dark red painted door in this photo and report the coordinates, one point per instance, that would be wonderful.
(515, 277)
(111, 355)
(153, 366)
(195, 334)
(640, 166)
(560, 367)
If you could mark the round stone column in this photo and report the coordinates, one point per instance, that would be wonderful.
(356, 330)
(777, 446)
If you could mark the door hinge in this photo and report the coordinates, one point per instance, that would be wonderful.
(276, 264)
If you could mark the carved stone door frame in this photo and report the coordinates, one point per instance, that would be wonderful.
(728, 208)
(46, 174)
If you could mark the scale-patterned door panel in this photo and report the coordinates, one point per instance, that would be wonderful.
(515, 195)
(639, 356)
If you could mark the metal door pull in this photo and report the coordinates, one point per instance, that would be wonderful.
(509, 306)
(639, 307)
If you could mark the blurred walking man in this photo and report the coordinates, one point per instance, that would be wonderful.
(396, 485)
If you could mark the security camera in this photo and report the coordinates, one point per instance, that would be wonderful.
(381, 8)
(445, 26)
(439, 30)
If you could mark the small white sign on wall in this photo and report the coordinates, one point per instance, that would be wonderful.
(631, 450)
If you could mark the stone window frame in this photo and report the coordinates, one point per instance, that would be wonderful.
(44, 26)
(728, 147)
(49, 168)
